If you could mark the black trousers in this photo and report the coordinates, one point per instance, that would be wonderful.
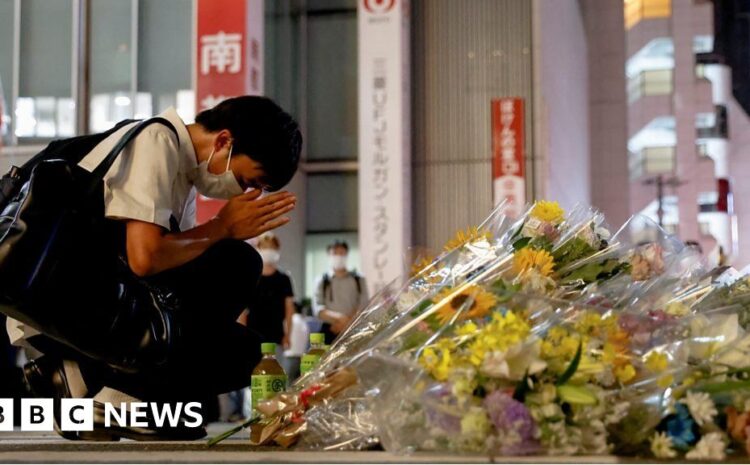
(213, 353)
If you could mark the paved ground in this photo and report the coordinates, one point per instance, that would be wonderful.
(16, 447)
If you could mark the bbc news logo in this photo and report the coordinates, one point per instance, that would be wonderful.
(78, 414)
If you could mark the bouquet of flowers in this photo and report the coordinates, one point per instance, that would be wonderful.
(540, 335)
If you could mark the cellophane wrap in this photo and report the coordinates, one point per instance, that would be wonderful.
(543, 334)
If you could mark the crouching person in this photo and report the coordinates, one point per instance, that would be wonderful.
(176, 318)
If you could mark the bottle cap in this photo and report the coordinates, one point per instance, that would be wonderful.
(317, 338)
(268, 348)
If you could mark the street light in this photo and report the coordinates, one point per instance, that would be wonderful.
(660, 182)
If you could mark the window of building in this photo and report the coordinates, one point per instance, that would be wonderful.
(652, 82)
(703, 44)
(652, 161)
(139, 63)
(332, 202)
(44, 107)
(650, 70)
(659, 132)
(332, 96)
(638, 10)
(707, 201)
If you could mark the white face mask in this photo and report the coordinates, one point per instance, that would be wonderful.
(269, 256)
(216, 186)
(338, 262)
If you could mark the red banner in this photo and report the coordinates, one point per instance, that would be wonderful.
(229, 61)
(508, 154)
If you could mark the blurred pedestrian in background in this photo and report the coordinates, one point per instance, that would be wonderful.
(340, 294)
(298, 343)
(270, 312)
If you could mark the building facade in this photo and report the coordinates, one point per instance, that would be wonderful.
(620, 98)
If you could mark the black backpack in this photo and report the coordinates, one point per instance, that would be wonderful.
(72, 150)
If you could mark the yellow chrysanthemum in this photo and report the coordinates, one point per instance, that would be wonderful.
(467, 329)
(550, 212)
(479, 303)
(470, 235)
(501, 333)
(625, 373)
(665, 381)
(531, 259)
(437, 359)
(656, 362)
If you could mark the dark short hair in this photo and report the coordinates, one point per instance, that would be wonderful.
(262, 131)
(337, 243)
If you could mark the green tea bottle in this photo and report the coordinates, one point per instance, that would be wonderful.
(268, 378)
(311, 358)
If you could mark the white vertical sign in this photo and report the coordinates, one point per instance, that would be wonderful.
(255, 23)
(384, 139)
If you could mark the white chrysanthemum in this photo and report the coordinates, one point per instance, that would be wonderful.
(710, 447)
(701, 407)
(603, 233)
(661, 446)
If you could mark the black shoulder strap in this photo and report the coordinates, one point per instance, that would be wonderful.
(327, 286)
(98, 174)
(357, 277)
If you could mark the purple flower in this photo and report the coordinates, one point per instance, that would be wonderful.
(512, 417)
(441, 408)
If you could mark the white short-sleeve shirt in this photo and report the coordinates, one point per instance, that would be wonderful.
(150, 181)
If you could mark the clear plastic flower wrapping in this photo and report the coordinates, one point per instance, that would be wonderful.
(544, 334)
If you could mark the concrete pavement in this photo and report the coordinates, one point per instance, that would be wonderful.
(17, 447)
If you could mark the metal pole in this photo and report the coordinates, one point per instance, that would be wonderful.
(16, 76)
(81, 61)
(660, 197)
(134, 25)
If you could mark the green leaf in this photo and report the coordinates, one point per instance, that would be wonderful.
(576, 395)
(726, 386)
(573, 367)
(424, 305)
(522, 388)
(572, 251)
(541, 243)
(521, 243)
(414, 339)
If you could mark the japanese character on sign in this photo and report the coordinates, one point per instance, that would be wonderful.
(221, 51)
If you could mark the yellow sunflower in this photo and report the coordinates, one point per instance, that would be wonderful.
(547, 211)
(480, 302)
(531, 259)
(472, 234)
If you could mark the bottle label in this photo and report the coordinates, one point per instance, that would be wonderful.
(308, 362)
(264, 387)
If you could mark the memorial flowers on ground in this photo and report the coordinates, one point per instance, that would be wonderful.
(544, 334)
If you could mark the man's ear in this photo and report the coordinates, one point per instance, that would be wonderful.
(222, 140)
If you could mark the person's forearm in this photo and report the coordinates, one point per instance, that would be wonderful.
(288, 317)
(330, 316)
(175, 249)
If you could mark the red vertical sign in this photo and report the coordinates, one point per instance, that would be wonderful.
(221, 66)
(508, 154)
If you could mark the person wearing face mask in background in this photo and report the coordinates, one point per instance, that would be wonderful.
(191, 347)
(340, 294)
(270, 312)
